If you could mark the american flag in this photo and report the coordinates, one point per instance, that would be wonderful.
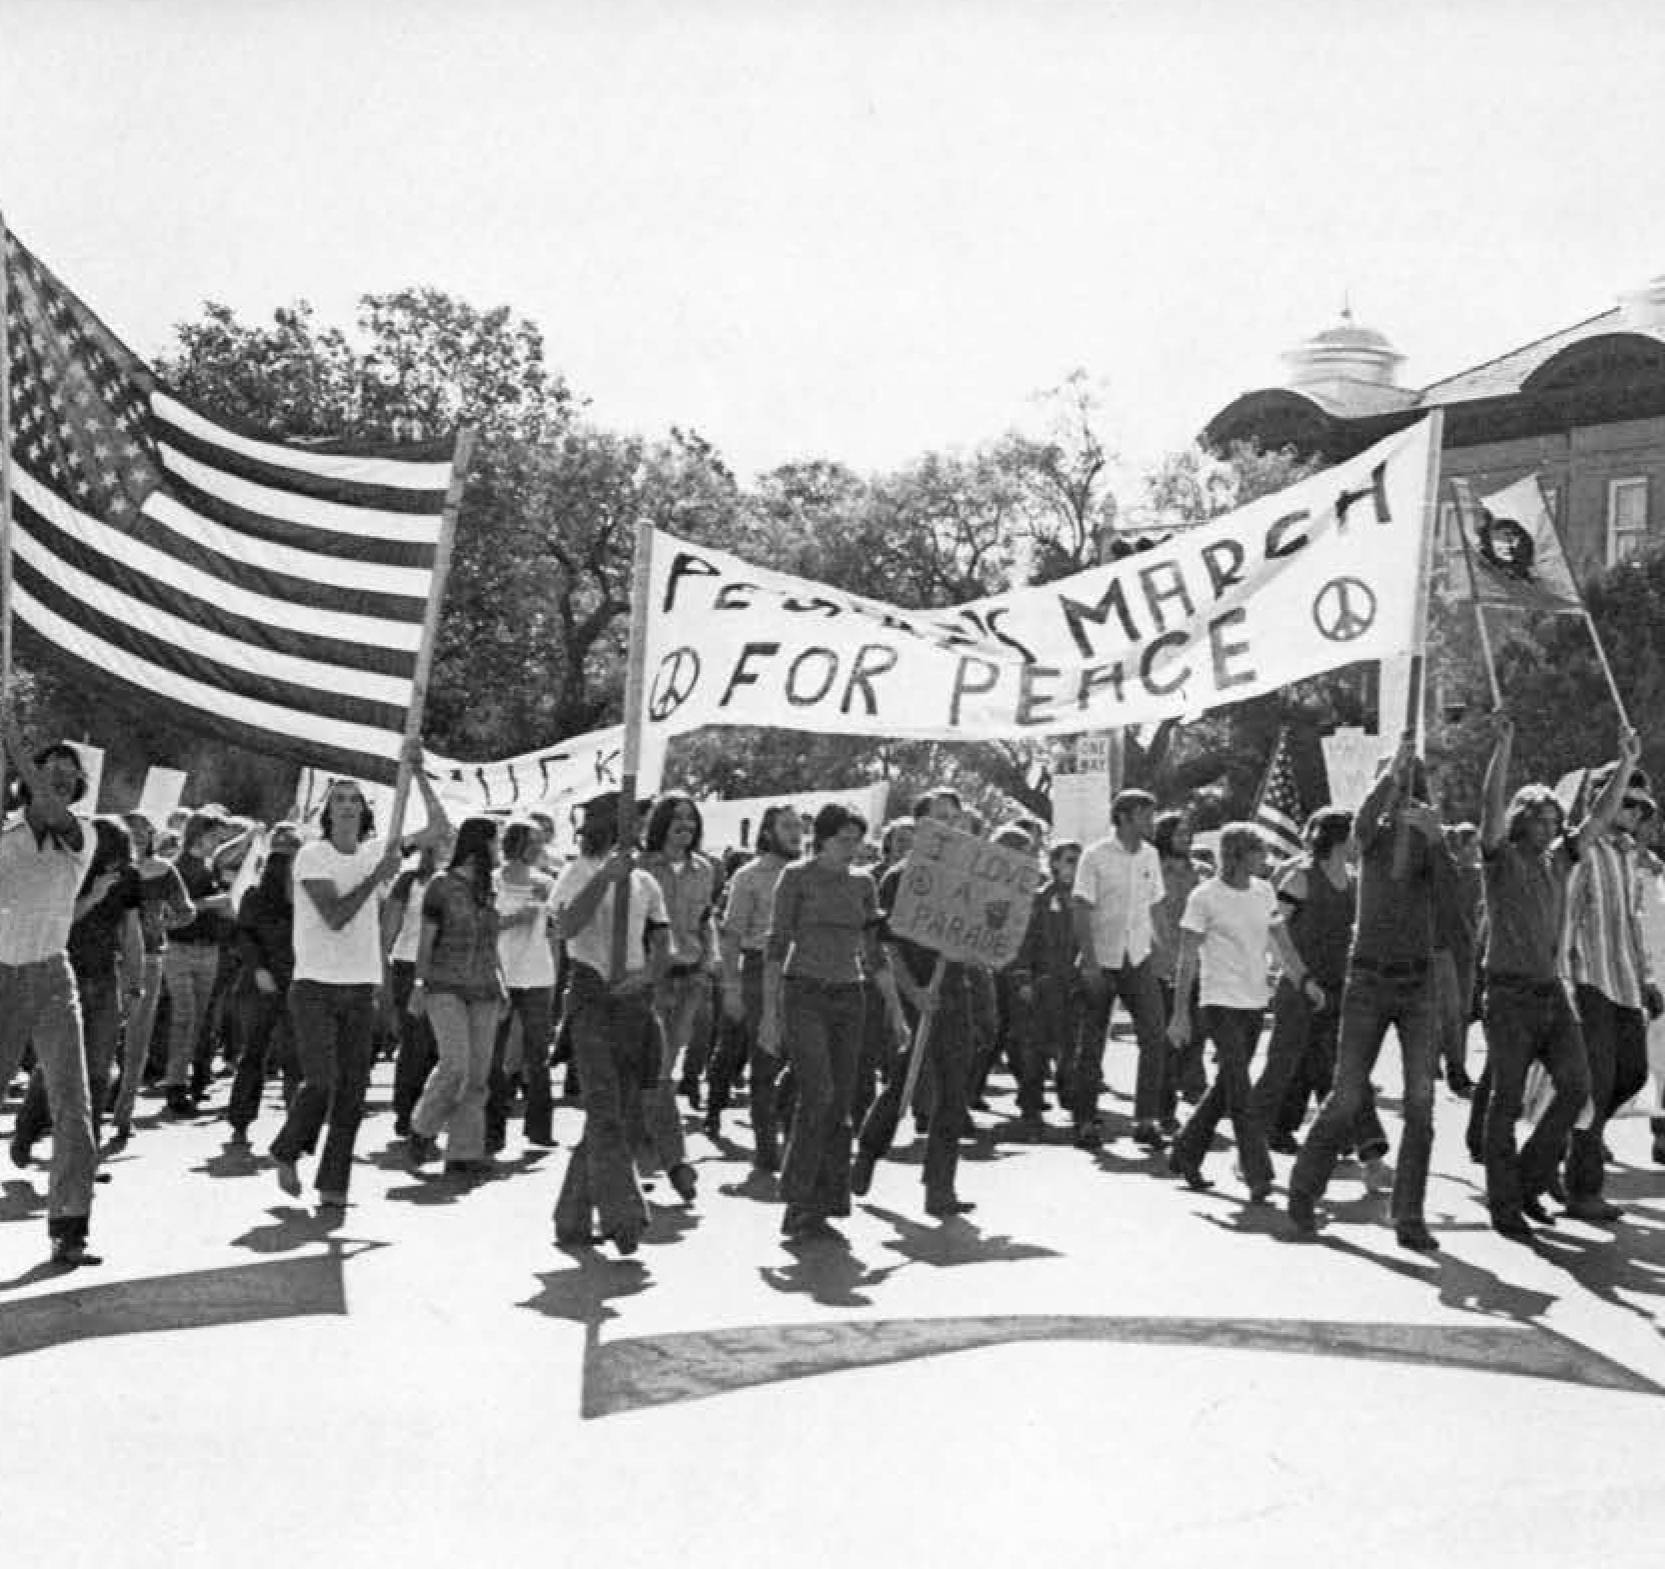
(268, 593)
(1280, 813)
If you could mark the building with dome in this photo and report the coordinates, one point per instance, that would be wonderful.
(1583, 407)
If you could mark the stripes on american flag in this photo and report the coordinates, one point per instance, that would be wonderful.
(1280, 813)
(269, 593)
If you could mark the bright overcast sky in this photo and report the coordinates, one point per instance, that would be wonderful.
(853, 231)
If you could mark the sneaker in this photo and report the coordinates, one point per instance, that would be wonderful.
(71, 1253)
(288, 1178)
(1090, 1135)
(1512, 1224)
(685, 1180)
(238, 1138)
(1149, 1136)
(1413, 1234)
(861, 1173)
(1594, 1208)
(419, 1150)
(1031, 1128)
(1533, 1209)
(1180, 1165)
(1301, 1215)
(945, 1209)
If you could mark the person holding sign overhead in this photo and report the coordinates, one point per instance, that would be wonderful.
(823, 936)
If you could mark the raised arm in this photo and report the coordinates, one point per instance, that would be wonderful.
(1605, 808)
(1494, 793)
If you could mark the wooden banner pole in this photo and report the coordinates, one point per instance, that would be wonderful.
(463, 451)
(1466, 508)
(1416, 698)
(922, 1033)
(635, 683)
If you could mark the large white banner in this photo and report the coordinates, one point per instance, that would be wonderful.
(551, 779)
(1319, 575)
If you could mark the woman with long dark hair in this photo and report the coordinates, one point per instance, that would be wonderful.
(823, 939)
(459, 987)
(338, 966)
(107, 955)
(528, 957)
(265, 943)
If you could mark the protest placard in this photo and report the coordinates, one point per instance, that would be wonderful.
(967, 899)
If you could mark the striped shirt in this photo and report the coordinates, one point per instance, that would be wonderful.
(1604, 926)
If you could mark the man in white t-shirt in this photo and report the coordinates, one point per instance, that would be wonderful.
(1117, 882)
(44, 854)
(338, 966)
(614, 1036)
(1229, 931)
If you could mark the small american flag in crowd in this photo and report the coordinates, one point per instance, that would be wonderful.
(1280, 813)
(275, 593)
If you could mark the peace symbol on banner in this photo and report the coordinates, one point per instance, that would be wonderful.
(673, 683)
(1345, 609)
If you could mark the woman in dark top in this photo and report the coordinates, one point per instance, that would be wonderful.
(106, 954)
(822, 942)
(459, 988)
(265, 947)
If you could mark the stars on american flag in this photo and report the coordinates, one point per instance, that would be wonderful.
(80, 400)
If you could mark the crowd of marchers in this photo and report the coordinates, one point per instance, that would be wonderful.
(205, 956)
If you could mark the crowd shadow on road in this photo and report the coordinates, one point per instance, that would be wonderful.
(293, 1227)
(201, 1299)
(20, 1200)
(827, 1271)
(948, 1244)
(450, 1187)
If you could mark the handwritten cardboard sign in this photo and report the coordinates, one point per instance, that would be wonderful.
(964, 897)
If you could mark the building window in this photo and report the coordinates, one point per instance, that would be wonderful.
(1627, 518)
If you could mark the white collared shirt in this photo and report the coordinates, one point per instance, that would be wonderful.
(1121, 886)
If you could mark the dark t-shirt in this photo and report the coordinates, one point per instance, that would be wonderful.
(1396, 914)
(95, 939)
(200, 883)
(1526, 898)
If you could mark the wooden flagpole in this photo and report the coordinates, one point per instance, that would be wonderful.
(1606, 668)
(1416, 698)
(5, 490)
(922, 1032)
(635, 682)
(1465, 511)
(460, 456)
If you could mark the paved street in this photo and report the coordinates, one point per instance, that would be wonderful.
(1095, 1364)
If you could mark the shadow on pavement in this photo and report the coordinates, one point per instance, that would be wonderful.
(241, 1294)
(825, 1270)
(20, 1201)
(295, 1228)
(945, 1244)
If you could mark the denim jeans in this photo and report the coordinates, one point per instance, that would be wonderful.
(821, 1024)
(465, 1030)
(1043, 1036)
(609, 1031)
(1524, 1021)
(417, 1051)
(100, 1031)
(946, 1069)
(334, 1037)
(1137, 988)
(1300, 1059)
(739, 1044)
(141, 1020)
(1616, 1047)
(188, 971)
(1369, 1004)
(39, 1006)
(264, 1029)
(534, 1007)
(1233, 1032)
